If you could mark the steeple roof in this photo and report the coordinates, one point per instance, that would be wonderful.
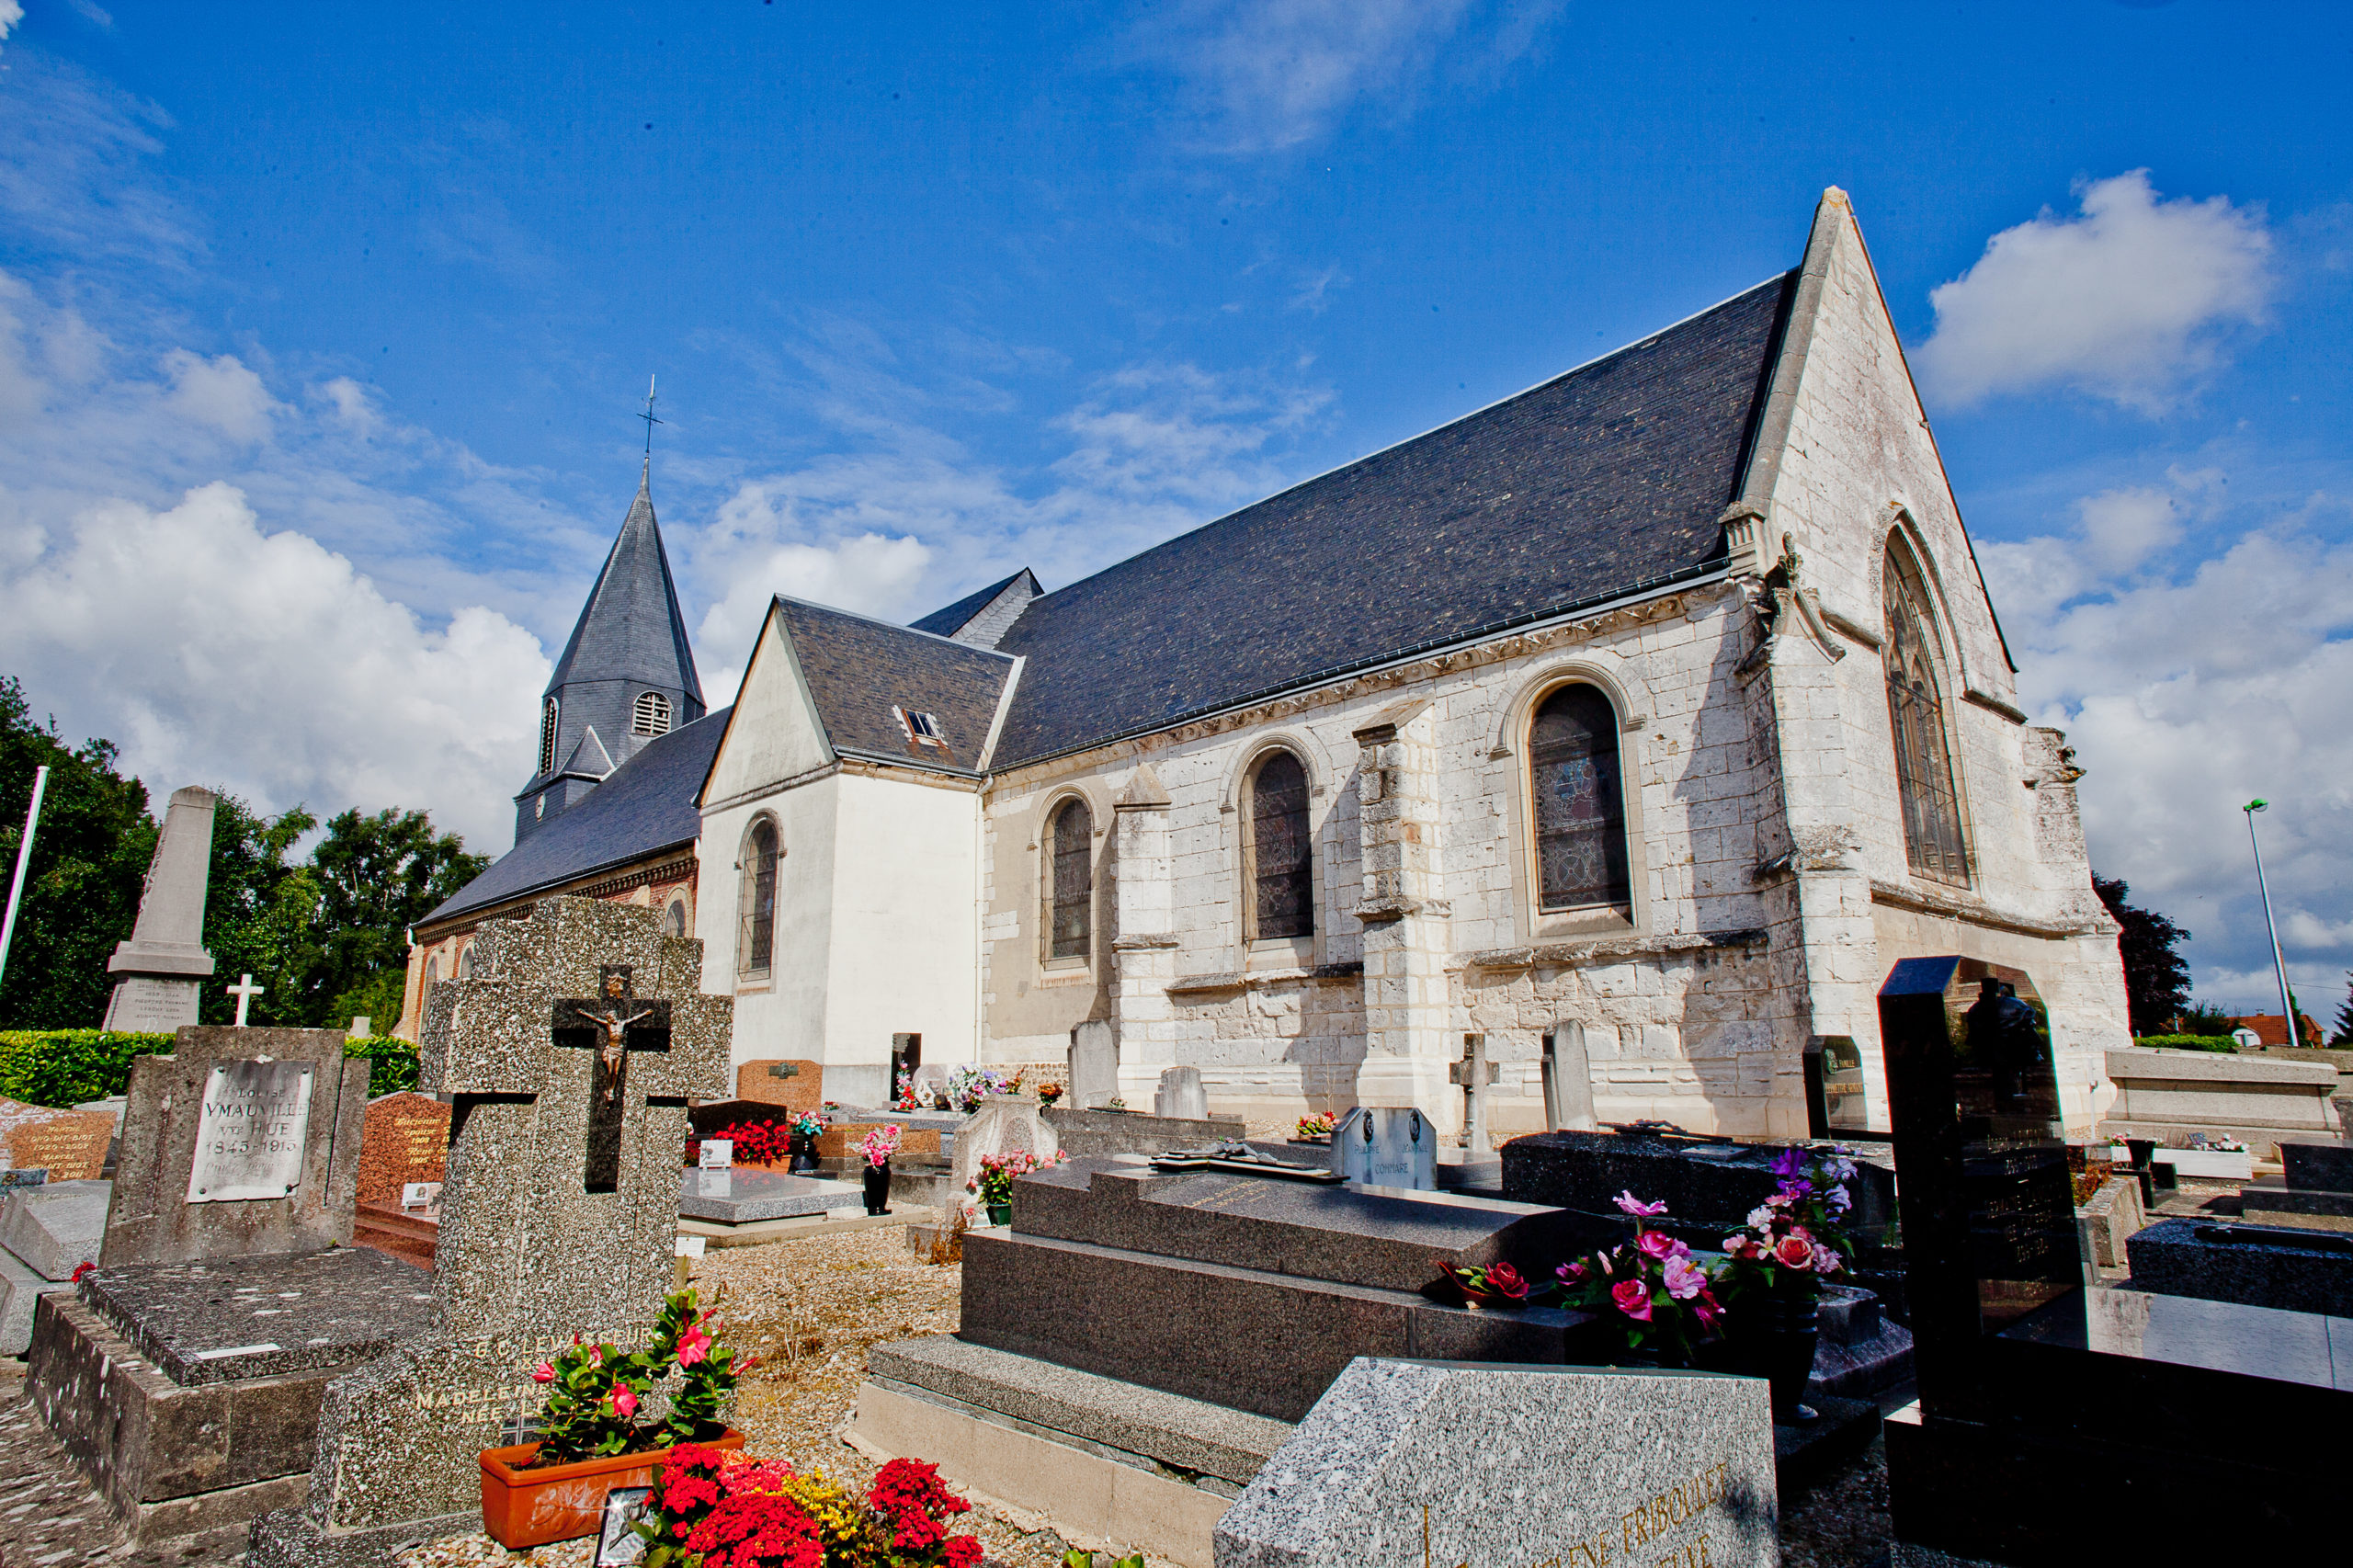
(630, 630)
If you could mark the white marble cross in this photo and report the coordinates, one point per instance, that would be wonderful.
(1474, 1072)
(245, 991)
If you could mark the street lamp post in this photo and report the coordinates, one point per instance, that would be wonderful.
(2278, 962)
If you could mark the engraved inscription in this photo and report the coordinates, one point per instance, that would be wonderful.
(249, 1134)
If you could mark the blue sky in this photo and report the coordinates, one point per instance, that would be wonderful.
(322, 331)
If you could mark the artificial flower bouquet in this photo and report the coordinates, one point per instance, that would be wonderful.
(596, 1395)
(1796, 1239)
(992, 1185)
(879, 1146)
(1049, 1093)
(1649, 1289)
(1492, 1285)
(807, 1124)
(967, 1085)
(757, 1142)
(724, 1510)
(1312, 1128)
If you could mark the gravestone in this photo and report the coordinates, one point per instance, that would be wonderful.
(241, 1142)
(1005, 1124)
(403, 1138)
(2315, 1190)
(1386, 1146)
(47, 1231)
(1476, 1074)
(1093, 1076)
(1181, 1095)
(796, 1087)
(1412, 1464)
(570, 1048)
(183, 1375)
(1568, 1079)
(2038, 1391)
(164, 960)
(70, 1145)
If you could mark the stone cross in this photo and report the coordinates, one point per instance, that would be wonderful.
(245, 991)
(579, 1025)
(1474, 1072)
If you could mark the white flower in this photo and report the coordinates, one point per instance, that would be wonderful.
(1759, 1217)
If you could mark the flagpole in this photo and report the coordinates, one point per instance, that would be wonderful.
(24, 858)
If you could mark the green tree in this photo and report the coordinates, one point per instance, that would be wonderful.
(261, 916)
(2343, 1039)
(82, 886)
(378, 875)
(378, 998)
(2156, 979)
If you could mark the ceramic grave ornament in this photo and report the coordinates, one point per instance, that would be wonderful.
(570, 1051)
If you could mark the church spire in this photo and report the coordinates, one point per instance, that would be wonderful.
(626, 677)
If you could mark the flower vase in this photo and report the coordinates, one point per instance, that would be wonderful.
(1001, 1214)
(804, 1155)
(1776, 1344)
(878, 1188)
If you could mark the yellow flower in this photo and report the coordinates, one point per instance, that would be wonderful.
(848, 1526)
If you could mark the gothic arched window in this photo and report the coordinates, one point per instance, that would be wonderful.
(1070, 893)
(547, 736)
(1933, 842)
(756, 943)
(651, 714)
(1281, 860)
(674, 919)
(1580, 802)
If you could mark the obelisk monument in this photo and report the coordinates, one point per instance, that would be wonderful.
(164, 960)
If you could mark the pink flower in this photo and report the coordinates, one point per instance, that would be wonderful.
(1504, 1280)
(1576, 1270)
(1632, 1298)
(1656, 1244)
(1825, 1260)
(1684, 1278)
(1633, 1205)
(624, 1403)
(693, 1346)
(1795, 1252)
(543, 1373)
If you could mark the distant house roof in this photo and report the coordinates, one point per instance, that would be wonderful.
(2272, 1029)
(644, 807)
(860, 670)
(1603, 481)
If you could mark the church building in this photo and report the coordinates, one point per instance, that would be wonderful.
(1637, 723)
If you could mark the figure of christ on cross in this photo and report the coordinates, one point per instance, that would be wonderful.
(613, 1024)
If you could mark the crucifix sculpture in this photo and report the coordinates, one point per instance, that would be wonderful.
(1474, 1072)
(612, 1023)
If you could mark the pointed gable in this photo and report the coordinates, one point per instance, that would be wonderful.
(876, 688)
(630, 630)
(983, 619)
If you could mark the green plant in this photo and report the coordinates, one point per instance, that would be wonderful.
(2187, 1041)
(596, 1393)
(66, 1067)
(993, 1182)
(392, 1061)
(1079, 1557)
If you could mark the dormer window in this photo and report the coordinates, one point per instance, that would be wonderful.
(651, 716)
(921, 728)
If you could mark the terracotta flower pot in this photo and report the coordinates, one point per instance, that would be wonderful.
(531, 1507)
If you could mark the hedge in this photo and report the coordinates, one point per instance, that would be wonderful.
(68, 1067)
(2188, 1041)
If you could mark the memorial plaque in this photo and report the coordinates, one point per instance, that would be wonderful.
(70, 1145)
(403, 1142)
(249, 1137)
(1387, 1147)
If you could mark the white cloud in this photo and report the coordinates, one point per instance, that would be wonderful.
(220, 392)
(11, 13)
(215, 653)
(2188, 693)
(2133, 300)
(1267, 75)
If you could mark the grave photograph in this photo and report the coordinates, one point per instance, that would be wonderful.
(1108, 927)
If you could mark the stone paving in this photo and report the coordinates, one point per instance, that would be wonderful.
(51, 1518)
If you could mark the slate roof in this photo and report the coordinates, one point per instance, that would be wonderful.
(645, 806)
(859, 669)
(631, 629)
(956, 617)
(1599, 483)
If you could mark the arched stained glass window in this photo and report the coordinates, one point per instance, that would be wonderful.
(1933, 840)
(756, 944)
(1282, 859)
(1071, 888)
(1580, 803)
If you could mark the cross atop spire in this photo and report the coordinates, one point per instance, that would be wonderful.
(650, 422)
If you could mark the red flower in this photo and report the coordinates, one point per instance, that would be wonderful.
(693, 1346)
(79, 1270)
(543, 1373)
(1504, 1280)
(1793, 1252)
(1633, 1298)
(961, 1551)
